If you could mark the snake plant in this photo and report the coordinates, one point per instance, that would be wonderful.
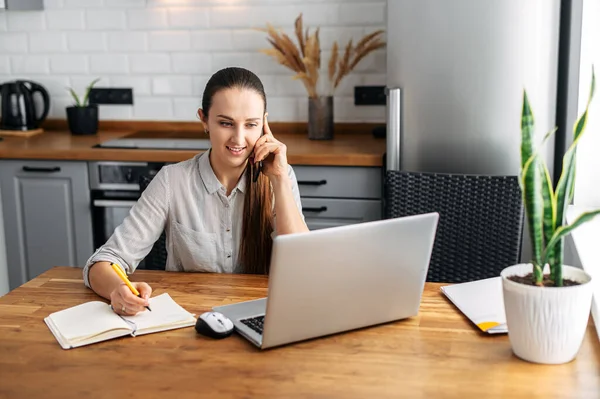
(84, 102)
(546, 206)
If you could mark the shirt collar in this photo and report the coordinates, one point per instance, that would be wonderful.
(209, 178)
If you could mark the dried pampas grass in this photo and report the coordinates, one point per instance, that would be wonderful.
(305, 59)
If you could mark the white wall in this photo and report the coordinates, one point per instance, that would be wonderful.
(587, 184)
(167, 49)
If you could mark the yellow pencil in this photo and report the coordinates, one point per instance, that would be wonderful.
(123, 277)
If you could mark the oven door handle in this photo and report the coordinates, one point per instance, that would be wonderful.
(113, 203)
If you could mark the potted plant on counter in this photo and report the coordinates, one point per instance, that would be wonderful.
(305, 60)
(82, 116)
(547, 303)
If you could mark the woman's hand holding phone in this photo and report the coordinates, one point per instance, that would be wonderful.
(272, 153)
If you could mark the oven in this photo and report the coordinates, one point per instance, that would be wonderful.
(115, 188)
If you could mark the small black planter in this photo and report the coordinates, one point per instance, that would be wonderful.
(83, 120)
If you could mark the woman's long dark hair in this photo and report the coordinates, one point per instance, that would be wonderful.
(255, 248)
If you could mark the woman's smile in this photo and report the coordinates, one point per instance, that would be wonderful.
(236, 150)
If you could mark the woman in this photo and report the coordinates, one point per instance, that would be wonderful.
(215, 217)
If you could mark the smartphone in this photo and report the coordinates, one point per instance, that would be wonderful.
(257, 170)
(258, 166)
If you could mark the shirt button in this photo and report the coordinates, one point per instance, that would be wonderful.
(226, 205)
(228, 230)
(229, 256)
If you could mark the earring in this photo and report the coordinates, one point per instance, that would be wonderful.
(206, 131)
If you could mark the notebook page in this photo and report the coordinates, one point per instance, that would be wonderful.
(165, 313)
(86, 320)
(481, 301)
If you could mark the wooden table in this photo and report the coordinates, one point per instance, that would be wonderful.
(436, 354)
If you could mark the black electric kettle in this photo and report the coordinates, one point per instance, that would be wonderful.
(18, 108)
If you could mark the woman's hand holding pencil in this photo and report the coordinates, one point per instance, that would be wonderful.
(129, 298)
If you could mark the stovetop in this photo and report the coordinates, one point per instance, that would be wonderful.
(159, 140)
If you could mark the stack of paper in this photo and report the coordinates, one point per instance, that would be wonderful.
(482, 302)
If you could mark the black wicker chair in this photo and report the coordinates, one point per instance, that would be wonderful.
(480, 226)
(157, 257)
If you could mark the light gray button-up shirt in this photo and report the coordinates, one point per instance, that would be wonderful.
(203, 225)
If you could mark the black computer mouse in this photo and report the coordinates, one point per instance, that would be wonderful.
(214, 325)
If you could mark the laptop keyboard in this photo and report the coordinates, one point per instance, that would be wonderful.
(255, 323)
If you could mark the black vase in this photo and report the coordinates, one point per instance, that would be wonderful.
(320, 118)
(83, 120)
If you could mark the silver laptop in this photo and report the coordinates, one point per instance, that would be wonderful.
(339, 279)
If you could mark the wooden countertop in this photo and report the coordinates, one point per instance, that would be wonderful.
(438, 353)
(357, 147)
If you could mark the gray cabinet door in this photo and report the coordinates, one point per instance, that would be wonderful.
(47, 216)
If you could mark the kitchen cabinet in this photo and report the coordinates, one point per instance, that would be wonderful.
(47, 216)
(339, 195)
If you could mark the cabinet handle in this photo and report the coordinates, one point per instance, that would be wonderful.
(312, 183)
(113, 203)
(321, 209)
(41, 169)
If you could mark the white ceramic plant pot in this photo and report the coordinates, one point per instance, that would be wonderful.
(546, 324)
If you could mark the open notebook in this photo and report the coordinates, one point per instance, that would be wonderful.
(482, 302)
(95, 321)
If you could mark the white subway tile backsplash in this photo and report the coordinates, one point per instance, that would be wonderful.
(125, 3)
(192, 63)
(231, 17)
(115, 112)
(109, 64)
(28, 21)
(80, 84)
(58, 107)
(64, 19)
(212, 40)
(249, 39)
(303, 110)
(86, 42)
(153, 108)
(13, 43)
(186, 109)
(374, 62)
(47, 42)
(169, 41)
(351, 14)
(266, 64)
(344, 109)
(325, 14)
(56, 85)
(269, 83)
(172, 86)
(53, 4)
(196, 18)
(244, 60)
(150, 63)
(285, 85)
(105, 19)
(198, 85)
(83, 3)
(68, 64)
(131, 42)
(340, 34)
(166, 50)
(374, 79)
(284, 109)
(4, 65)
(147, 19)
(30, 64)
(141, 85)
